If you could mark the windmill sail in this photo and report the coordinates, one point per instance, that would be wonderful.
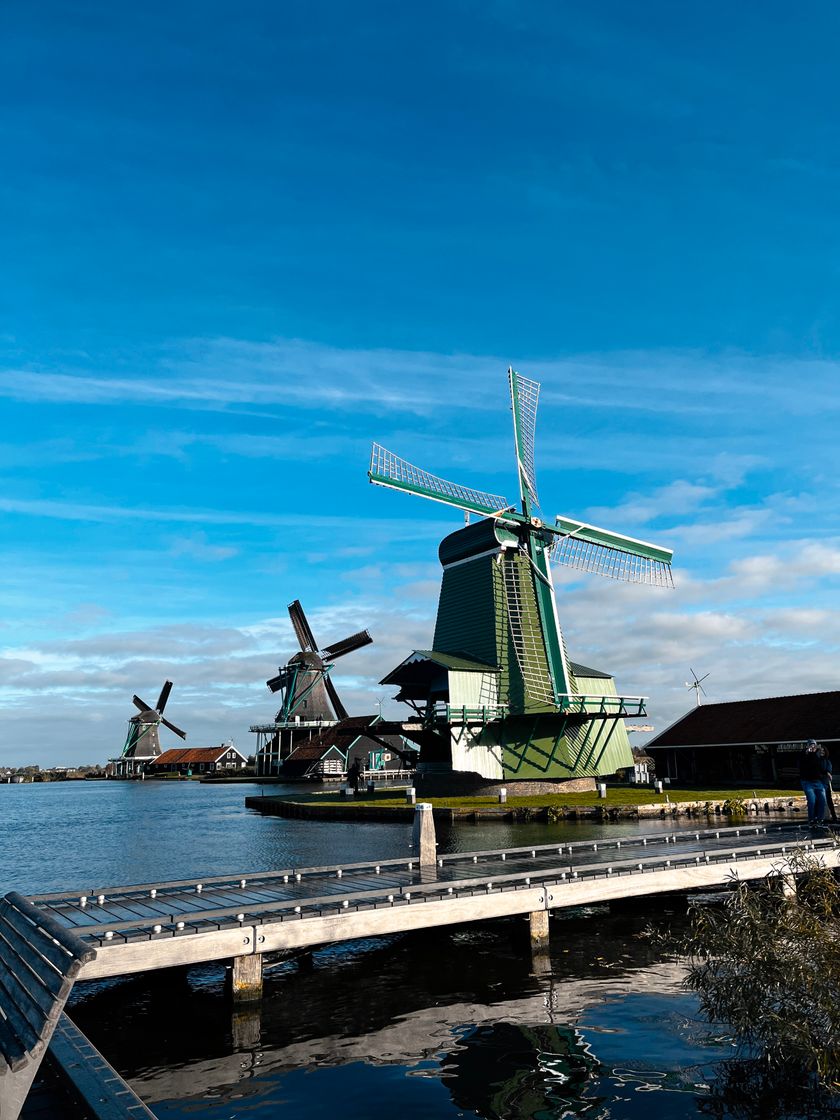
(524, 396)
(590, 549)
(388, 469)
(346, 645)
(305, 637)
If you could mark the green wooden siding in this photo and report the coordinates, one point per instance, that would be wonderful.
(546, 746)
(467, 614)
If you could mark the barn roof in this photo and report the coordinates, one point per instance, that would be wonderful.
(195, 754)
(777, 719)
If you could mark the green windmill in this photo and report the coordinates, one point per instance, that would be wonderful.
(497, 694)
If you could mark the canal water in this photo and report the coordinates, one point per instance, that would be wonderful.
(444, 1023)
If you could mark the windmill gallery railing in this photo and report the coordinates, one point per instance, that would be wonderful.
(569, 702)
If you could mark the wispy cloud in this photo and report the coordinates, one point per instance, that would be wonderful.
(232, 373)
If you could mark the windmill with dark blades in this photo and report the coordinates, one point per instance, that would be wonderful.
(142, 743)
(310, 699)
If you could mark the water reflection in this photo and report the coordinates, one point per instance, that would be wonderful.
(442, 1022)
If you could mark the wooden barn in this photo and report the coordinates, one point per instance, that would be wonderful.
(747, 742)
(200, 760)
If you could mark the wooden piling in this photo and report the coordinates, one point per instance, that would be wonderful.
(539, 930)
(246, 978)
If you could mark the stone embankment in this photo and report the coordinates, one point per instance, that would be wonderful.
(353, 810)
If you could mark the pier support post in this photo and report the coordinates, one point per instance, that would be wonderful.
(540, 954)
(423, 839)
(246, 978)
(539, 930)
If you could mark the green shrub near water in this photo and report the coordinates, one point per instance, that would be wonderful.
(768, 966)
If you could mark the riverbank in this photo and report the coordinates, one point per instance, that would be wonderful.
(630, 803)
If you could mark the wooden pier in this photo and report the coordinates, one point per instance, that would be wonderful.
(115, 931)
(157, 925)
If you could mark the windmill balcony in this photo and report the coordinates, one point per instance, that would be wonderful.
(594, 704)
(454, 713)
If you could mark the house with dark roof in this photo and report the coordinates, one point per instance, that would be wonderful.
(200, 760)
(332, 752)
(747, 741)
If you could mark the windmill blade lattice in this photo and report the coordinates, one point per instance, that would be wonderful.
(172, 727)
(524, 396)
(335, 700)
(388, 469)
(305, 637)
(164, 696)
(346, 645)
(603, 553)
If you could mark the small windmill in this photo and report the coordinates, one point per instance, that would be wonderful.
(143, 738)
(697, 684)
(497, 607)
(308, 691)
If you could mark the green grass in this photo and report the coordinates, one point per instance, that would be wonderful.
(630, 795)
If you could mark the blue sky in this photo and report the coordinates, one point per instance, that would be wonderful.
(242, 241)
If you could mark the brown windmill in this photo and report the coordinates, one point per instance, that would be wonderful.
(142, 743)
(308, 691)
(310, 698)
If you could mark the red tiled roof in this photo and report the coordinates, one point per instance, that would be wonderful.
(778, 719)
(194, 754)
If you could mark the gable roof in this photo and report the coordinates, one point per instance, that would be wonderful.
(416, 666)
(195, 754)
(777, 719)
(584, 671)
(342, 736)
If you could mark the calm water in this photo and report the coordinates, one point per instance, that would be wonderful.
(446, 1023)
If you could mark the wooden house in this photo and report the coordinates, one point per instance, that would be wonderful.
(200, 760)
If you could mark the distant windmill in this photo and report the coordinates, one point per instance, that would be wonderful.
(143, 739)
(697, 685)
(308, 691)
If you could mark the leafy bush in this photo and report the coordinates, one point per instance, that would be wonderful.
(767, 963)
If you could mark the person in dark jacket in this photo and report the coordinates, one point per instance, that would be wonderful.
(826, 780)
(354, 775)
(811, 780)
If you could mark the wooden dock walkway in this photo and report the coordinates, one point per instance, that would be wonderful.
(52, 940)
(156, 925)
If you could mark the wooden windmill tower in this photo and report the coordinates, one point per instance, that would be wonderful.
(142, 743)
(497, 694)
(310, 699)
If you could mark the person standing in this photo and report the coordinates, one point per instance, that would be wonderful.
(811, 780)
(826, 780)
(354, 775)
